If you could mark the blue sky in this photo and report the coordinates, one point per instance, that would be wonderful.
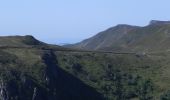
(70, 21)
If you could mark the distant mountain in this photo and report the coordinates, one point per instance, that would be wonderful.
(153, 37)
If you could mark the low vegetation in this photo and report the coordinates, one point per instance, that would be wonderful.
(48, 73)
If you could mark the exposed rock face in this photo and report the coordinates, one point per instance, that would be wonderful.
(3, 91)
(26, 89)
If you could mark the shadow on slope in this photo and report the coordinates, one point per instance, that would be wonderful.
(64, 86)
(53, 84)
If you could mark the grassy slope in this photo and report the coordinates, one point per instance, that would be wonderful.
(149, 38)
(113, 75)
(18, 63)
(93, 67)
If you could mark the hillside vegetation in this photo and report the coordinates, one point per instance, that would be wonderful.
(33, 70)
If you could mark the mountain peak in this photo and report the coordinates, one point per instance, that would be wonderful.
(157, 22)
(30, 40)
(129, 38)
(125, 25)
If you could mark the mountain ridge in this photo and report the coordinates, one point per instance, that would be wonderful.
(128, 38)
(19, 41)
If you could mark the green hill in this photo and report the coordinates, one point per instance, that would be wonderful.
(19, 41)
(33, 72)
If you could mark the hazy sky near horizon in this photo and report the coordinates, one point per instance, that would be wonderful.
(70, 21)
